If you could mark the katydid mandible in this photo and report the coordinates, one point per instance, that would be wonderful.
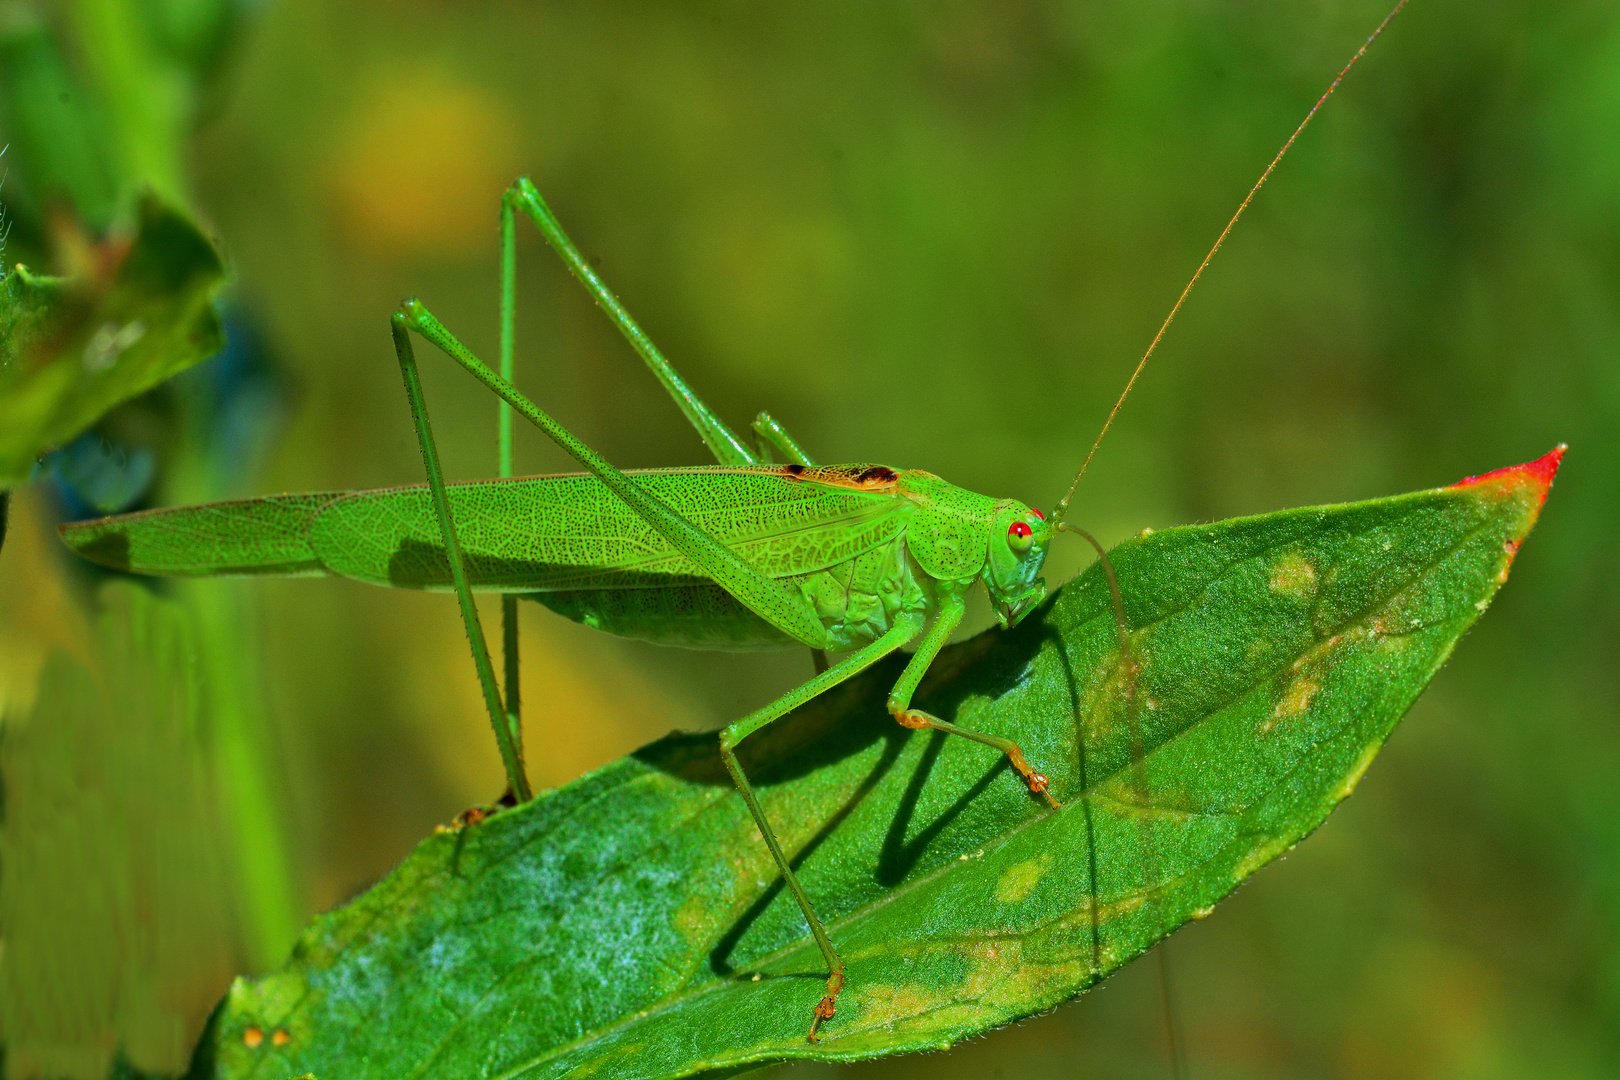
(858, 560)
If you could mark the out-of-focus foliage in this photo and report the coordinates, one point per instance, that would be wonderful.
(581, 934)
(97, 99)
(114, 897)
(145, 851)
(71, 349)
(939, 236)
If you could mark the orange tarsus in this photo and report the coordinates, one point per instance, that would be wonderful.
(1038, 783)
(473, 815)
(469, 817)
(916, 721)
(825, 1008)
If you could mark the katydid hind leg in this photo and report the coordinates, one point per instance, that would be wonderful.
(723, 443)
(905, 628)
(951, 609)
(511, 682)
(511, 751)
(776, 602)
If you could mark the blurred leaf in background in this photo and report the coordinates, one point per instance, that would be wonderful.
(73, 348)
(146, 849)
(97, 99)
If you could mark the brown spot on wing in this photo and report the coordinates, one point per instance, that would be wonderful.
(862, 477)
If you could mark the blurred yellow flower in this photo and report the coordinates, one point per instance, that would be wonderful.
(418, 163)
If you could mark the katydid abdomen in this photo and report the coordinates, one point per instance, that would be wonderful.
(857, 601)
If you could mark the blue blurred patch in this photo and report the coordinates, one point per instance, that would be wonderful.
(94, 477)
(233, 402)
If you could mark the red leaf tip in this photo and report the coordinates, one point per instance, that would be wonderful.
(1538, 473)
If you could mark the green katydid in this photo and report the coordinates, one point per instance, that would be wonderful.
(858, 560)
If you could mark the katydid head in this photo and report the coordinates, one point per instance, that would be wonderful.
(1019, 535)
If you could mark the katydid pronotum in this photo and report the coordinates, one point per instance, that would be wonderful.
(858, 560)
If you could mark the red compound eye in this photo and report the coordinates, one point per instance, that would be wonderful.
(1020, 537)
(1037, 513)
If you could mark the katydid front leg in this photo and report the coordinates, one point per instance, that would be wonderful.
(951, 608)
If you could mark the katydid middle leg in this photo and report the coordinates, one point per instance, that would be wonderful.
(951, 609)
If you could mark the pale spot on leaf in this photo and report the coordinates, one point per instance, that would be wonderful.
(880, 1003)
(1296, 699)
(1019, 881)
(1293, 575)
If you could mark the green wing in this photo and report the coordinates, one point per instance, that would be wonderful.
(263, 536)
(530, 534)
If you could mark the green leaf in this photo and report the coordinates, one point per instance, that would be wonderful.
(631, 924)
(71, 349)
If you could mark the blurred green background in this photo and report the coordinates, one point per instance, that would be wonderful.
(939, 235)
